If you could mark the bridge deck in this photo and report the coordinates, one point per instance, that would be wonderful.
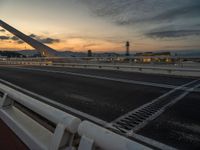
(8, 139)
(108, 95)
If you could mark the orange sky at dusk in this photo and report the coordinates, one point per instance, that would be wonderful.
(103, 26)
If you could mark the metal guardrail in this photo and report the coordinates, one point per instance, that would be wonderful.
(147, 69)
(37, 63)
(37, 137)
(195, 72)
(103, 57)
(122, 66)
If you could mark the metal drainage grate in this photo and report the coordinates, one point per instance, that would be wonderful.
(138, 118)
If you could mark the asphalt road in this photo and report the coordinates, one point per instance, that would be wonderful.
(162, 79)
(110, 94)
(101, 98)
(179, 126)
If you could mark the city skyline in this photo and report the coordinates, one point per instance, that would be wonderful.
(103, 25)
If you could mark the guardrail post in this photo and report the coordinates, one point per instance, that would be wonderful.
(61, 138)
(102, 138)
(5, 101)
(64, 135)
(86, 143)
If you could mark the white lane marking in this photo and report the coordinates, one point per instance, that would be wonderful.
(102, 78)
(80, 97)
(162, 110)
(50, 101)
(153, 101)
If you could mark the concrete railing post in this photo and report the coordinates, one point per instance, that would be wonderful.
(94, 136)
(61, 138)
(86, 144)
(5, 101)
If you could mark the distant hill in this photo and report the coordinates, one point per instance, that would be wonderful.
(10, 54)
(28, 53)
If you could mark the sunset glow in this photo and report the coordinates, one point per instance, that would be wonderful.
(78, 25)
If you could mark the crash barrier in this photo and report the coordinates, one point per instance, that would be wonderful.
(145, 69)
(181, 71)
(32, 63)
(37, 137)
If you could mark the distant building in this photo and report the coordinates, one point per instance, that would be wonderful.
(156, 57)
(89, 53)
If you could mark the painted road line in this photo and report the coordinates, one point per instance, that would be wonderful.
(102, 78)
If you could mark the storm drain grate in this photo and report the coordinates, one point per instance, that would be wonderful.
(135, 120)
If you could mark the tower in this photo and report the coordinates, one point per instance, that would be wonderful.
(127, 48)
(89, 53)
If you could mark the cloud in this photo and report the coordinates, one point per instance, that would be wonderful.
(173, 34)
(4, 37)
(169, 18)
(49, 40)
(2, 30)
(187, 11)
(40, 39)
(88, 46)
(128, 12)
(33, 35)
(45, 40)
(15, 38)
(92, 38)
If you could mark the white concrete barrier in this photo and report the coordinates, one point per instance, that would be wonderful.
(32, 133)
(94, 136)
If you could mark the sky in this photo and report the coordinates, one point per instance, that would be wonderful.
(103, 25)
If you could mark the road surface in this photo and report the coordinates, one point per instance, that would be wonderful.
(107, 95)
